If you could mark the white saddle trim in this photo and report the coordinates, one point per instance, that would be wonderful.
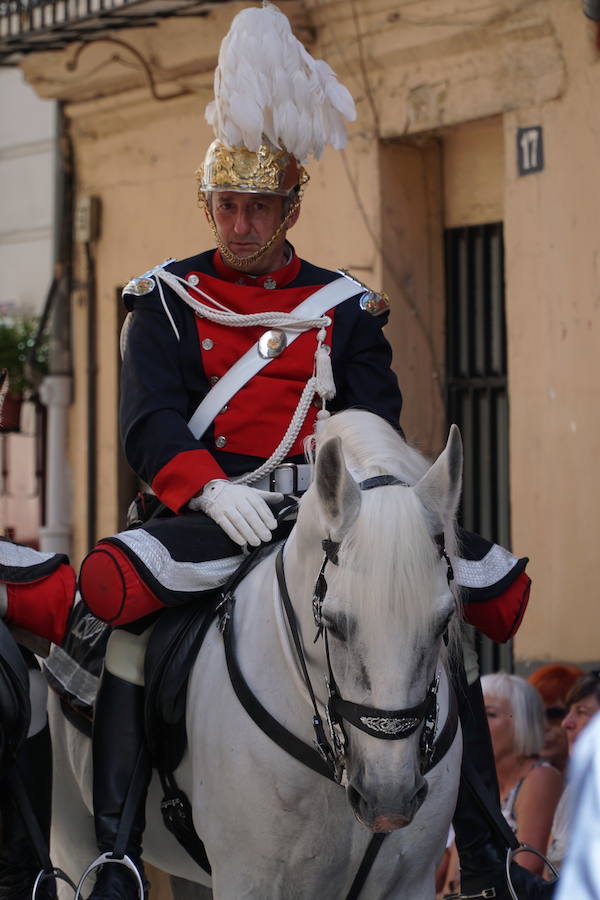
(173, 575)
(19, 555)
(481, 573)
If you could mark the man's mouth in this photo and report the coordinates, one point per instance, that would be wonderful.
(245, 245)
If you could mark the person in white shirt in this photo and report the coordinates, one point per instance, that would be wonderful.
(580, 873)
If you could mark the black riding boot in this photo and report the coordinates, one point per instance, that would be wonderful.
(481, 847)
(121, 761)
(19, 860)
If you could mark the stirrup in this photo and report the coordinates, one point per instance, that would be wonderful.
(44, 875)
(490, 893)
(108, 857)
(525, 848)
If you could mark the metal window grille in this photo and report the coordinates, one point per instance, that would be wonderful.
(476, 389)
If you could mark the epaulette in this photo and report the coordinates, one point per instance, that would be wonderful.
(374, 302)
(145, 283)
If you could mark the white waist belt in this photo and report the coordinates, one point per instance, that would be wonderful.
(288, 478)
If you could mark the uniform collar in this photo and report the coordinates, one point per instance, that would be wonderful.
(271, 280)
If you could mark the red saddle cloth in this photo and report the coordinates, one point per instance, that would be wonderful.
(40, 590)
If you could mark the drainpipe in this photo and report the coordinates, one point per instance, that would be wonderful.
(56, 388)
(92, 367)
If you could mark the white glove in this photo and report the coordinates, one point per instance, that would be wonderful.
(240, 510)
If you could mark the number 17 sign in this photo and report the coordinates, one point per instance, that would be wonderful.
(530, 150)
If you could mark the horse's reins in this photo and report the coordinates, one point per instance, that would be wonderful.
(328, 759)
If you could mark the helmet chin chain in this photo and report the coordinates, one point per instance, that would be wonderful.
(242, 262)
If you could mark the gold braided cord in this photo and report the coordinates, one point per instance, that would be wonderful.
(242, 262)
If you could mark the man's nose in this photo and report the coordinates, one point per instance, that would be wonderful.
(242, 222)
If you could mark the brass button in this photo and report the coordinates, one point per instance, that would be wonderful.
(213, 379)
(220, 441)
(224, 410)
(193, 280)
(207, 344)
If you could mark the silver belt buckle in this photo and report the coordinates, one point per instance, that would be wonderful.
(274, 481)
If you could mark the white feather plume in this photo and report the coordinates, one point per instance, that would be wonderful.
(267, 84)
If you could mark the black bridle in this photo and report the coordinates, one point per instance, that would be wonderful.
(391, 725)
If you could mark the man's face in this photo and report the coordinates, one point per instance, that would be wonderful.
(246, 222)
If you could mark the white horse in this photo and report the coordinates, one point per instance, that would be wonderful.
(273, 827)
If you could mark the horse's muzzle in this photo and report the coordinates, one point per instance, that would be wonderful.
(383, 817)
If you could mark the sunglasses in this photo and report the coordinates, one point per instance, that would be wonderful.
(555, 713)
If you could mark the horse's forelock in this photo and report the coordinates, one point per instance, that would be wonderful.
(389, 565)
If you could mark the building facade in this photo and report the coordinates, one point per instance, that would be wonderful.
(468, 191)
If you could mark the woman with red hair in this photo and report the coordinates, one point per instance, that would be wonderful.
(553, 682)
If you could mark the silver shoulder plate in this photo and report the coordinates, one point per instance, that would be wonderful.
(374, 302)
(145, 284)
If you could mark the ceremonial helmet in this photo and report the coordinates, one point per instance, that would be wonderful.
(274, 107)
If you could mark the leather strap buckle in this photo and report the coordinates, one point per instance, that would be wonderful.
(279, 479)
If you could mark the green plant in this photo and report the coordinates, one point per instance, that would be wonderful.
(25, 360)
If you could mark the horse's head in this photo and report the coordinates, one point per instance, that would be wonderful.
(385, 517)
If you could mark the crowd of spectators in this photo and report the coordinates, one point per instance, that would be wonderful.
(534, 726)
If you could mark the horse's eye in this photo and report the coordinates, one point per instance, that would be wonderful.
(333, 628)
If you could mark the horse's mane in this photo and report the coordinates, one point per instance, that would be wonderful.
(398, 559)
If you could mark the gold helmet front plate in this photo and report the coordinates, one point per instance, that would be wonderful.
(266, 171)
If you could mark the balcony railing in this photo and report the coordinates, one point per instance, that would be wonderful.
(27, 26)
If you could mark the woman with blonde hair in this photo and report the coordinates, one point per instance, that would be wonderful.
(530, 787)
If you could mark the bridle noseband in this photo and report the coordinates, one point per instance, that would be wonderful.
(391, 725)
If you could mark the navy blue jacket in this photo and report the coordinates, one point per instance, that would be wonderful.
(164, 379)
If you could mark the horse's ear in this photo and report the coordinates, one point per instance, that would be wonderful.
(337, 490)
(439, 489)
